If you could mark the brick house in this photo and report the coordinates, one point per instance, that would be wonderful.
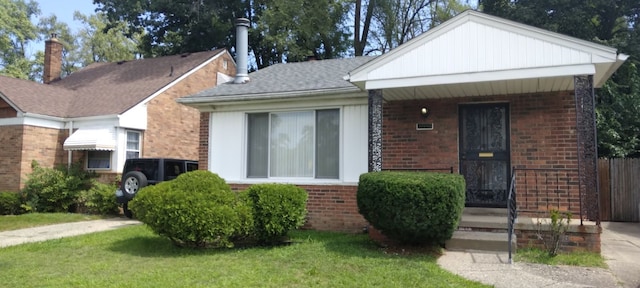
(478, 95)
(104, 113)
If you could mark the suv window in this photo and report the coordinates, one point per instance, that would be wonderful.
(148, 167)
(172, 169)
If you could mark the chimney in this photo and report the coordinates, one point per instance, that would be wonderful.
(242, 50)
(52, 60)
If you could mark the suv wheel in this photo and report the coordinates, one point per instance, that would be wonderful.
(132, 182)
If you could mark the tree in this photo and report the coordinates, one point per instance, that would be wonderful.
(610, 22)
(394, 22)
(16, 31)
(99, 46)
(295, 30)
(281, 30)
(49, 26)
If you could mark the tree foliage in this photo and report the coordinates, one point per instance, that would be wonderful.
(381, 25)
(281, 30)
(610, 22)
(16, 31)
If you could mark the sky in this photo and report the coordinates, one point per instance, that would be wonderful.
(63, 9)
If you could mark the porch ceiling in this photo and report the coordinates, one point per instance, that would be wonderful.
(503, 87)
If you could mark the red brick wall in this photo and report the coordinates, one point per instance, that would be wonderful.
(203, 148)
(581, 238)
(330, 208)
(542, 131)
(173, 129)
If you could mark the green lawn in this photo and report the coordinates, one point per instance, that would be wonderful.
(135, 257)
(13, 222)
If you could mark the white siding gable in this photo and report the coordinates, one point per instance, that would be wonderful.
(474, 47)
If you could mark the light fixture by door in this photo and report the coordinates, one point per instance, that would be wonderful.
(425, 112)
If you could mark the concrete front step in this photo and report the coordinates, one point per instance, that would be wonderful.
(477, 240)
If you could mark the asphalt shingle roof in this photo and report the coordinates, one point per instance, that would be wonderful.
(101, 88)
(287, 78)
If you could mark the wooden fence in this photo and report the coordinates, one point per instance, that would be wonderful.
(619, 189)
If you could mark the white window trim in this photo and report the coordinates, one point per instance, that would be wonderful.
(296, 180)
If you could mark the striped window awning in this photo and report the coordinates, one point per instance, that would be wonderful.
(92, 139)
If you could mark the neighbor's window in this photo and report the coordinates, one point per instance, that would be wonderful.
(133, 144)
(98, 159)
(294, 144)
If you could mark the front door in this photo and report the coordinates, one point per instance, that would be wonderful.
(484, 153)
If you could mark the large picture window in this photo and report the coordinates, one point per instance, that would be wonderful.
(133, 144)
(300, 144)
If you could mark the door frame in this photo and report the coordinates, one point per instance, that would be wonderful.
(506, 156)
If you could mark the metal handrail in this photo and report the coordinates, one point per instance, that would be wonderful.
(512, 211)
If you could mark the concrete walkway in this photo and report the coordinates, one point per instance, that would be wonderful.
(620, 248)
(42, 233)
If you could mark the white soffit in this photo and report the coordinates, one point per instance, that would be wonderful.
(91, 139)
(475, 47)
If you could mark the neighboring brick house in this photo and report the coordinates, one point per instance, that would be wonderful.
(477, 95)
(104, 113)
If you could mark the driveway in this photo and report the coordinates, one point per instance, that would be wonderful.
(621, 250)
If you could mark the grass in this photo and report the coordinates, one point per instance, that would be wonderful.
(586, 259)
(135, 257)
(13, 222)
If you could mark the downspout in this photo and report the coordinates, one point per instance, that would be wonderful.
(70, 152)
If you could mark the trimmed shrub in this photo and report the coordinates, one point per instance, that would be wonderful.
(412, 207)
(197, 209)
(277, 208)
(10, 203)
(99, 199)
(55, 190)
(46, 190)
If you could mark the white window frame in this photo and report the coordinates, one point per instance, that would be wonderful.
(109, 153)
(313, 178)
(127, 149)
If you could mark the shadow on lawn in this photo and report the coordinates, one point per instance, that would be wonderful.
(347, 245)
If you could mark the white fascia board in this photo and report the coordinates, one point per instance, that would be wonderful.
(544, 72)
(43, 121)
(612, 69)
(288, 103)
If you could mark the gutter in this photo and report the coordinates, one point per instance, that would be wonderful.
(204, 100)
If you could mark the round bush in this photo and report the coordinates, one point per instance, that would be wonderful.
(412, 207)
(277, 209)
(196, 209)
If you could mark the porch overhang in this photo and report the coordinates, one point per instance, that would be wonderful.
(91, 139)
(475, 54)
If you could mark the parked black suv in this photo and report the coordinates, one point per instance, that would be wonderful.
(140, 172)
